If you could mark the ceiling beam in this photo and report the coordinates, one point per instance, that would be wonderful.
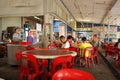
(68, 10)
(107, 13)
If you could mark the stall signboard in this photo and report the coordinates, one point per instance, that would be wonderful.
(118, 29)
(84, 29)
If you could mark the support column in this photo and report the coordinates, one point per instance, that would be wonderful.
(47, 29)
(0, 28)
(108, 28)
(48, 26)
(65, 30)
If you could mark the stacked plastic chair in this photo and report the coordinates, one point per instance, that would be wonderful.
(109, 50)
(72, 74)
(87, 59)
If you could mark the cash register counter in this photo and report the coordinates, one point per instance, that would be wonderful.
(11, 52)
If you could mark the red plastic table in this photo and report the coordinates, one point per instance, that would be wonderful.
(50, 54)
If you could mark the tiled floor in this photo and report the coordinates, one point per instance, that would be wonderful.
(111, 62)
(100, 71)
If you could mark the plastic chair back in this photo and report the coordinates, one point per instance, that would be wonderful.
(52, 46)
(90, 51)
(72, 74)
(19, 55)
(88, 55)
(30, 48)
(62, 61)
(96, 50)
(22, 65)
(32, 64)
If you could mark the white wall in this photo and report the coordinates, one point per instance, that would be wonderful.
(10, 21)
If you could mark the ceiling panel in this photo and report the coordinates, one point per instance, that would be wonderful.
(95, 11)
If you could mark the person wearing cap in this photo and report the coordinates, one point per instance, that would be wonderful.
(16, 36)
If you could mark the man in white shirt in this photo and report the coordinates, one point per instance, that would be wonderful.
(65, 44)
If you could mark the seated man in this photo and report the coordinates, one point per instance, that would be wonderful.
(73, 47)
(65, 43)
(83, 45)
(70, 40)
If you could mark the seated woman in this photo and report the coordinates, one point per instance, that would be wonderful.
(65, 43)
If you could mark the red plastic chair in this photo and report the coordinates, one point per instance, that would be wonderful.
(90, 57)
(25, 43)
(30, 68)
(11, 43)
(52, 46)
(44, 48)
(30, 48)
(117, 51)
(19, 55)
(112, 51)
(63, 61)
(65, 48)
(106, 47)
(22, 67)
(118, 62)
(95, 55)
(72, 74)
(43, 62)
(109, 50)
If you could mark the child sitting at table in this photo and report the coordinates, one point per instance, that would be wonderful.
(65, 43)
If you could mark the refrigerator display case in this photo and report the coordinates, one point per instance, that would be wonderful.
(26, 31)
